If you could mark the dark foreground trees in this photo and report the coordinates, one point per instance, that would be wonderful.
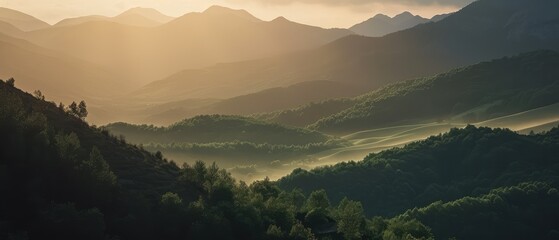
(63, 179)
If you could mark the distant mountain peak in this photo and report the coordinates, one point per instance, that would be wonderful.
(141, 10)
(405, 14)
(220, 10)
(381, 24)
(439, 17)
(281, 19)
(149, 13)
(408, 16)
(380, 16)
(21, 20)
(216, 9)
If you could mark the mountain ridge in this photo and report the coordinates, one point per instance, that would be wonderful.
(20, 20)
(138, 16)
(194, 40)
(487, 90)
(466, 37)
(381, 25)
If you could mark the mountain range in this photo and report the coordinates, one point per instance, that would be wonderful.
(141, 17)
(466, 37)
(252, 103)
(193, 40)
(122, 52)
(103, 51)
(381, 25)
(60, 76)
(21, 20)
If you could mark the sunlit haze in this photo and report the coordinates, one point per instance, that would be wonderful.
(279, 119)
(328, 14)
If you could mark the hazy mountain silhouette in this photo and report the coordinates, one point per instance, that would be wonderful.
(149, 13)
(9, 29)
(267, 100)
(381, 24)
(21, 20)
(483, 30)
(194, 40)
(141, 17)
(58, 76)
(282, 97)
(80, 20)
(439, 17)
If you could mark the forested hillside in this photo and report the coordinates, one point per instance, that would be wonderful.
(236, 142)
(524, 211)
(470, 94)
(462, 162)
(68, 180)
(218, 128)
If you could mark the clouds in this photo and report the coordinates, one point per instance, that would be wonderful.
(353, 3)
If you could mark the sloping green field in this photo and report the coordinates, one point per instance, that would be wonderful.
(375, 140)
(536, 119)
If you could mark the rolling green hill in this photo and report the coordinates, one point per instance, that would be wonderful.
(251, 148)
(471, 94)
(64, 179)
(375, 140)
(67, 180)
(44, 120)
(307, 114)
(462, 162)
(465, 95)
(217, 128)
(523, 211)
(61, 175)
(268, 100)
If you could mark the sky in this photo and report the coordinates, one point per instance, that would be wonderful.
(323, 13)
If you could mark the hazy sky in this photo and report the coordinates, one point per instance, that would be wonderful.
(325, 13)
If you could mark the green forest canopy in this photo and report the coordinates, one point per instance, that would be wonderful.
(68, 180)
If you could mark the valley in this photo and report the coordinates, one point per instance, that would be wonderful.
(402, 119)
